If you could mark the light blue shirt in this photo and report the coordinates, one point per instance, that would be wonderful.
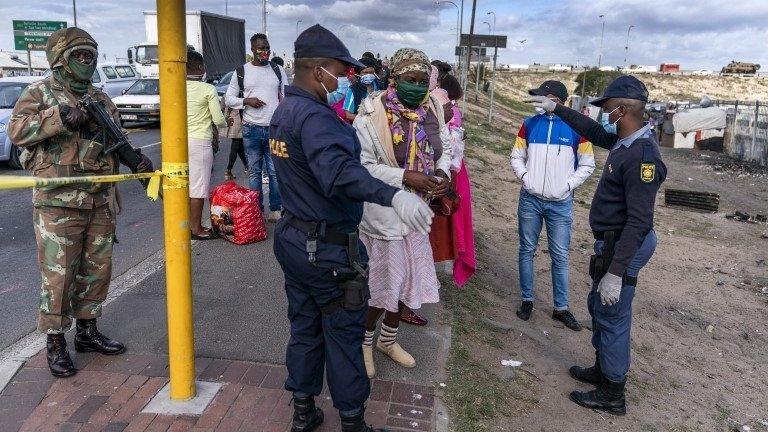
(643, 132)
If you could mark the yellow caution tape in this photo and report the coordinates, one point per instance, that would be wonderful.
(176, 175)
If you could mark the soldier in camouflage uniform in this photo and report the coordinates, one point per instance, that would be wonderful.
(74, 224)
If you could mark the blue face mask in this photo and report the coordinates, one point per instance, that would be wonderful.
(341, 90)
(368, 79)
(605, 121)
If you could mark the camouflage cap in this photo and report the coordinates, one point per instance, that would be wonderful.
(62, 42)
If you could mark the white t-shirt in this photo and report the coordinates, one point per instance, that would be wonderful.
(259, 82)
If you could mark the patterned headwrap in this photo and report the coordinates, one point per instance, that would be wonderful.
(433, 78)
(408, 60)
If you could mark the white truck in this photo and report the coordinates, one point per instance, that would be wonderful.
(220, 39)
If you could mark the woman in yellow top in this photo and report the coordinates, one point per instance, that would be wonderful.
(203, 115)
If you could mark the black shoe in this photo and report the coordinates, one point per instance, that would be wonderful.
(306, 416)
(357, 424)
(88, 338)
(590, 375)
(608, 397)
(524, 313)
(567, 318)
(59, 361)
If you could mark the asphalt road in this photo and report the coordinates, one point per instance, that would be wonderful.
(139, 233)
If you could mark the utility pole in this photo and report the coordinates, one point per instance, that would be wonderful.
(29, 62)
(471, 33)
(602, 33)
(226, 7)
(626, 47)
(74, 10)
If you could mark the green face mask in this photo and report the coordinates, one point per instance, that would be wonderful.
(82, 72)
(410, 94)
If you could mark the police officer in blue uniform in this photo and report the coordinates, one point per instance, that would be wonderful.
(323, 186)
(621, 218)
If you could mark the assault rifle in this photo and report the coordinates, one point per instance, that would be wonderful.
(113, 138)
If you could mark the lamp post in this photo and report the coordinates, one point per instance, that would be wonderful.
(74, 11)
(489, 26)
(264, 16)
(626, 47)
(494, 20)
(297, 27)
(458, 23)
(226, 7)
(602, 33)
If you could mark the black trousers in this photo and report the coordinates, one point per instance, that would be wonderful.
(236, 149)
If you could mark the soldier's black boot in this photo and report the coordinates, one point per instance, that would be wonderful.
(59, 361)
(357, 424)
(591, 375)
(88, 338)
(306, 416)
(608, 397)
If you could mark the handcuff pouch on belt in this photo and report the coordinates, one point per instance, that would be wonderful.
(598, 264)
(353, 278)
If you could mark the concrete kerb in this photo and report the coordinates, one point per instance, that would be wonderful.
(13, 357)
(162, 403)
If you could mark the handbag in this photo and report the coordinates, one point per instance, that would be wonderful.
(446, 205)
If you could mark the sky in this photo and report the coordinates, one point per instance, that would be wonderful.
(697, 34)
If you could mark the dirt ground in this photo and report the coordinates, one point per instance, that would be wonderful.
(700, 322)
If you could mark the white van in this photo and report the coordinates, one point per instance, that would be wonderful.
(113, 78)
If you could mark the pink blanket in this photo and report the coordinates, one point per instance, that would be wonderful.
(464, 239)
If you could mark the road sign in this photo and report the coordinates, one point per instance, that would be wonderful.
(33, 35)
(490, 41)
(460, 51)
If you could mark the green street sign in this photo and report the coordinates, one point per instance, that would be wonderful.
(33, 35)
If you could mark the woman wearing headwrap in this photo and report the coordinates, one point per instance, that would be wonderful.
(452, 235)
(405, 143)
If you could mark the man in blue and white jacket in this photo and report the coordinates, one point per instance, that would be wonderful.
(552, 160)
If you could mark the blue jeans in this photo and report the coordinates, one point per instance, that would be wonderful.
(558, 216)
(611, 325)
(256, 142)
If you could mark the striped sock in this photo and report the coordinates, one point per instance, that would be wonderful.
(368, 338)
(388, 335)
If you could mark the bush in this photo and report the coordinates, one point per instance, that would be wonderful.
(596, 81)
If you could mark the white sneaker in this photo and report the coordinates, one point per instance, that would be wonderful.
(397, 354)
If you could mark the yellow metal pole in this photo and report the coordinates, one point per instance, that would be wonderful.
(172, 46)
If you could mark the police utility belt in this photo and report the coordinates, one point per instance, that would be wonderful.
(353, 279)
(598, 264)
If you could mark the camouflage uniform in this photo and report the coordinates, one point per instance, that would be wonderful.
(74, 224)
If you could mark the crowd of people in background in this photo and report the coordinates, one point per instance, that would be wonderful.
(409, 125)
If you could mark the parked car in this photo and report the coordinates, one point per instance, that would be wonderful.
(702, 72)
(140, 102)
(112, 78)
(608, 68)
(10, 90)
(222, 84)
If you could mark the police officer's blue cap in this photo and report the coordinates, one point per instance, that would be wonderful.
(318, 42)
(623, 87)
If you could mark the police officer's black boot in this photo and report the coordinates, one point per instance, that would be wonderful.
(357, 424)
(591, 375)
(306, 416)
(608, 397)
(59, 361)
(88, 338)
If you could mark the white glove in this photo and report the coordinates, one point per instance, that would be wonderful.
(609, 289)
(542, 102)
(413, 211)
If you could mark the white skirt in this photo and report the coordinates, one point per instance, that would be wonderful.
(200, 164)
(401, 270)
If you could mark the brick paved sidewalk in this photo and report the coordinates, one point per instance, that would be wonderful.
(109, 393)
